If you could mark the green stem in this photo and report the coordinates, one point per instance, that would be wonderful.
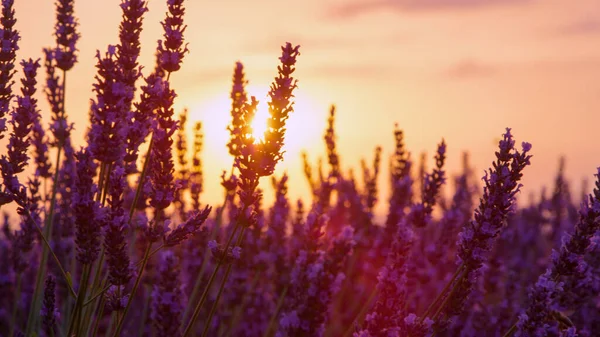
(13, 317)
(133, 290)
(51, 251)
(98, 317)
(105, 288)
(439, 296)
(203, 266)
(144, 312)
(362, 313)
(140, 185)
(188, 328)
(221, 287)
(237, 315)
(76, 316)
(36, 300)
(276, 313)
(89, 311)
(447, 298)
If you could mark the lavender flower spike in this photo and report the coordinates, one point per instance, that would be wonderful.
(9, 38)
(567, 262)
(280, 106)
(421, 213)
(66, 35)
(167, 295)
(22, 120)
(86, 209)
(172, 49)
(114, 239)
(49, 310)
(238, 100)
(188, 228)
(476, 238)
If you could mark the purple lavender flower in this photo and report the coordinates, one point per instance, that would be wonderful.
(370, 179)
(389, 309)
(171, 50)
(238, 100)
(9, 40)
(280, 106)
(49, 310)
(54, 91)
(475, 241)
(128, 49)
(66, 35)
(167, 297)
(276, 240)
(22, 120)
(218, 252)
(315, 278)
(143, 116)
(40, 141)
(421, 212)
(109, 129)
(183, 171)
(161, 166)
(116, 225)
(330, 138)
(196, 171)
(190, 227)
(401, 184)
(86, 209)
(568, 262)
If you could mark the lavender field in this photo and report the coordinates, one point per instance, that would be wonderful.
(112, 236)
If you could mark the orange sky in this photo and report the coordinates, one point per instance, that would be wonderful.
(458, 69)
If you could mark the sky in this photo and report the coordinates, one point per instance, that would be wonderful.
(462, 70)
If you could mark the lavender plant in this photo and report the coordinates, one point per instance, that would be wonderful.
(112, 239)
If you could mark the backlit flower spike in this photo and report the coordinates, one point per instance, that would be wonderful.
(401, 184)
(109, 129)
(238, 101)
(187, 229)
(54, 91)
(161, 165)
(330, 142)
(144, 115)
(183, 171)
(432, 183)
(66, 35)
(40, 141)
(280, 106)
(22, 120)
(499, 196)
(172, 49)
(9, 45)
(196, 175)
(128, 50)
(370, 179)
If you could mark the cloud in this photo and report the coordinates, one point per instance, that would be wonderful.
(359, 71)
(584, 26)
(358, 7)
(469, 68)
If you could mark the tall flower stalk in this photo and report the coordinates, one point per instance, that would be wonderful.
(256, 160)
(63, 57)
